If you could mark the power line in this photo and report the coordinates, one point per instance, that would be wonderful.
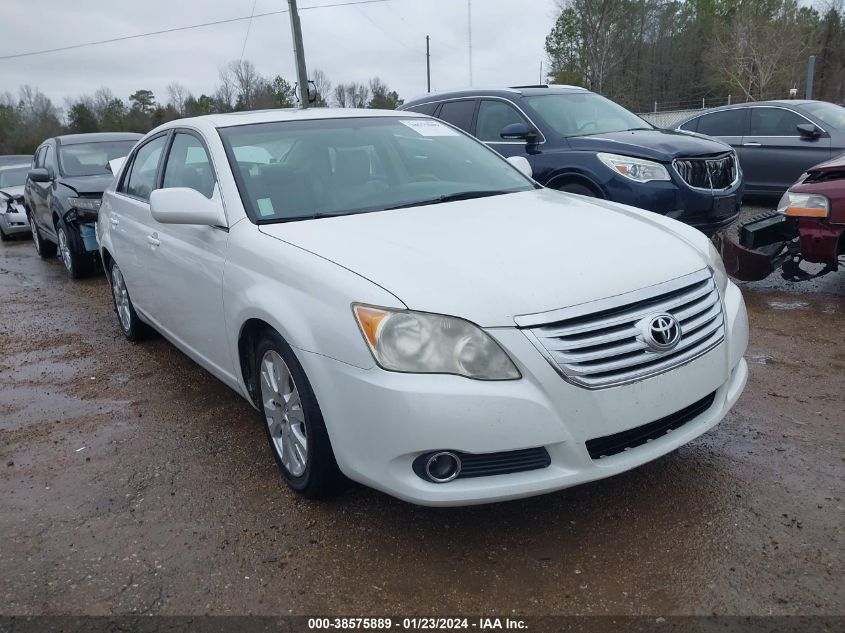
(248, 28)
(183, 28)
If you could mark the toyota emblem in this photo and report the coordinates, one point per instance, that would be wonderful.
(661, 332)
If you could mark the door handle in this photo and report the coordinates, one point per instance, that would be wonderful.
(751, 144)
(153, 240)
(114, 221)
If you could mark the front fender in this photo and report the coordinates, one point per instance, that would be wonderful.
(306, 298)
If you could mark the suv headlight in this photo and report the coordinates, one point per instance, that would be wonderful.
(85, 206)
(636, 169)
(804, 205)
(423, 343)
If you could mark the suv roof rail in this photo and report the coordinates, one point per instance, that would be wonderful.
(548, 86)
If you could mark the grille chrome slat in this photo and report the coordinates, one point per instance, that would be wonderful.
(608, 347)
(631, 314)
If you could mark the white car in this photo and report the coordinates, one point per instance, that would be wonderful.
(407, 308)
(13, 220)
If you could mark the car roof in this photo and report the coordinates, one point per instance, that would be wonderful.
(231, 119)
(513, 91)
(97, 137)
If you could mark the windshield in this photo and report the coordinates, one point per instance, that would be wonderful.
(829, 113)
(294, 170)
(91, 159)
(13, 177)
(580, 113)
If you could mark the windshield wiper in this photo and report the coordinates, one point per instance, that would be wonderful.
(452, 197)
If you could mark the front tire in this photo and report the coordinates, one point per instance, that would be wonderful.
(293, 421)
(78, 265)
(133, 328)
(45, 250)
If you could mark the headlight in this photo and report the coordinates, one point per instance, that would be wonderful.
(422, 343)
(91, 205)
(634, 168)
(718, 266)
(804, 205)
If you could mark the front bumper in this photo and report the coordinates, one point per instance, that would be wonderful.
(708, 211)
(380, 422)
(16, 222)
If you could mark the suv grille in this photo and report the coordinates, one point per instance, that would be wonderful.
(603, 343)
(718, 172)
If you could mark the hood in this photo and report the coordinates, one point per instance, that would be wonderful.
(661, 145)
(87, 184)
(834, 164)
(13, 192)
(490, 259)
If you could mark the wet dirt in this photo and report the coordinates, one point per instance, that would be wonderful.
(132, 481)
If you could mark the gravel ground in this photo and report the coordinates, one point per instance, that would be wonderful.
(132, 482)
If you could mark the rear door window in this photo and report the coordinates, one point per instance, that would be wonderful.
(458, 113)
(723, 123)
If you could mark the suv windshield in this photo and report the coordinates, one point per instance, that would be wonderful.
(295, 170)
(581, 113)
(13, 176)
(91, 159)
(830, 113)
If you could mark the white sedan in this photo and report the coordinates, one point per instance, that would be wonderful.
(408, 309)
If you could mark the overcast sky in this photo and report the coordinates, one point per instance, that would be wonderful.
(351, 43)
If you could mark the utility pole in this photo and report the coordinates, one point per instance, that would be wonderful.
(811, 67)
(299, 54)
(428, 63)
(469, 37)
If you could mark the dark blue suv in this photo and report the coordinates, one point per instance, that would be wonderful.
(580, 142)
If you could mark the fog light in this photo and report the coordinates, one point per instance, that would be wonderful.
(442, 467)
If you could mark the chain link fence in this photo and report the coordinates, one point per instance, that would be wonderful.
(669, 114)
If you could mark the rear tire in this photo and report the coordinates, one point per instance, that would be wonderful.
(78, 265)
(130, 324)
(45, 249)
(581, 190)
(293, 421)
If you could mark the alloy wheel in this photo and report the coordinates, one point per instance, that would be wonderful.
(121, 298)
(36, 239)
(64, 250)
(283, 410)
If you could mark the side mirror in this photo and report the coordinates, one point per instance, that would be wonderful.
(522, 164)
(181, 205)
(808, 130)
(518, 132)
(39, 174)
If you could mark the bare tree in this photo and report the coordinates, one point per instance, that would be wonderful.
(323, 86)
(352, 95)
(178, 94)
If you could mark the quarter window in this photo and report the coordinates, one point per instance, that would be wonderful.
(39, 157)
(141, 179)
(188, 165)
(458, 113)
(493, 116)
(723, 123)
(774, 122)
(425, 108)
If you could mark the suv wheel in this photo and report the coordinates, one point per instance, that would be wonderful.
(293, 421)
(46, 250)
(78, 265)
(133, 328)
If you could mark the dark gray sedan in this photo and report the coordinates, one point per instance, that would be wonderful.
(776, 140)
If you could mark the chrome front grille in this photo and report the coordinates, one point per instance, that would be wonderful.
(717, 172)
(602, 344)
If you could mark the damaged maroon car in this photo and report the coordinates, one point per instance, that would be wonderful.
(808, 226)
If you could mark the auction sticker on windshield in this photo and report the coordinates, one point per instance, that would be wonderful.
(426, 127)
